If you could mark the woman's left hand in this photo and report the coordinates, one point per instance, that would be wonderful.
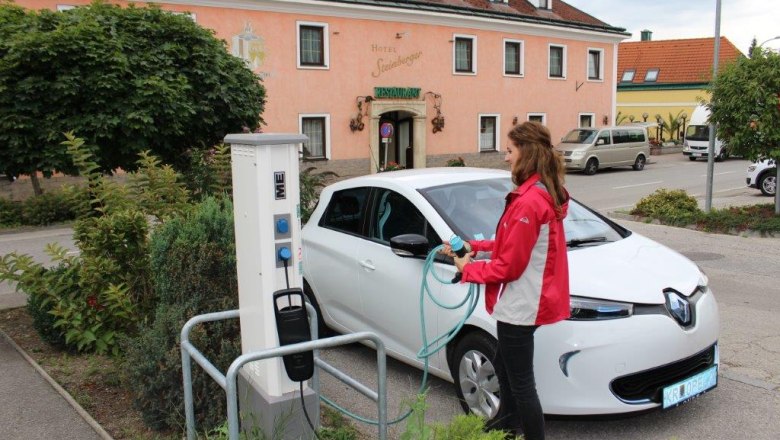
(460, 263)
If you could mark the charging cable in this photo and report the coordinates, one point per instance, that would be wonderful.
(470, 300)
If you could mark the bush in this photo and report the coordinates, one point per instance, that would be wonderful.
(103, 292)
(39, 309)
(310, 185)
(46, 209)
(10, 212)
(674, 207)
(463, 426)
(194, 271)
(457, 162)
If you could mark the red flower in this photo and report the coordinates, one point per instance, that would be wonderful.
(92, 301)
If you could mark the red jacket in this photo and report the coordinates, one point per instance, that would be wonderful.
(527, 278)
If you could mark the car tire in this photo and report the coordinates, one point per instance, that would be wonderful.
(723, 155)
(476, 376)
(767, 183)
(692, 159)
(322, 329)
(639, 163)
(591, 166)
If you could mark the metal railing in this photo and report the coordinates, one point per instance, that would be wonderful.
(228, 382)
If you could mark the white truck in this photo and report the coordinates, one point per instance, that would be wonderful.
(697, 137)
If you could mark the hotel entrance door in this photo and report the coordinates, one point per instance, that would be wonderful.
(396, 149)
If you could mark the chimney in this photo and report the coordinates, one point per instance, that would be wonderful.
(647, 35)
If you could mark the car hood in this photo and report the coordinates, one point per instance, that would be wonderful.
(634, 269)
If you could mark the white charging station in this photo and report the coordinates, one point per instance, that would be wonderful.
(267, 228)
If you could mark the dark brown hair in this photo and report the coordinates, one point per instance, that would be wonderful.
(537, 155)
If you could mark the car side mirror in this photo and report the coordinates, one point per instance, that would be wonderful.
(410, 246)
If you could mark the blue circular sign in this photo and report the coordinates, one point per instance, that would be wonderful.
(386, 130)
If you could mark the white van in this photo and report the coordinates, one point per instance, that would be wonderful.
(588, 149)
(697, 137)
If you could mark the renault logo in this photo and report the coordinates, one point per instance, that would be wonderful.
(679, 307)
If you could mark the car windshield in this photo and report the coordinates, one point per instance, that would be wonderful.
(697, 133)
(472, 210)
(580, 136)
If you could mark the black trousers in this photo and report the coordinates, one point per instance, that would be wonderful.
(523, 411)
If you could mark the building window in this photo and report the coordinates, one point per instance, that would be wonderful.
(538, 117)
(63, 8)
(316, 128)
(465, 54)
(628, 75)
(488, 132)
(651, 75)
(586, 120)
(596, 64)
(312, 45)
(513, 57)
(557, 61)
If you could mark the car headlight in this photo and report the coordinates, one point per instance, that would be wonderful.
(577, 154)
(589, 309)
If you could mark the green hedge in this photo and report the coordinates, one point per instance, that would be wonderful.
(45, 209)
(194, 271)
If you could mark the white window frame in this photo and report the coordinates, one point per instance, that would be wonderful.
(626, 72)
(543, 115)
(600, 78)
(325, 45)
(563, 61)
(655, 77)
(326, 153)
(592, 119)
(473, 39)
(497, 146)
(65, 7)
(522, 59)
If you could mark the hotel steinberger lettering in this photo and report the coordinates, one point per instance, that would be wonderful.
(384, 65)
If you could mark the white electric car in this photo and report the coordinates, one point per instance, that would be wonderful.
(644, 327)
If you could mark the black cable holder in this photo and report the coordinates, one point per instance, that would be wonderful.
(292, 327)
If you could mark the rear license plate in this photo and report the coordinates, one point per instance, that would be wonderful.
(691, 387)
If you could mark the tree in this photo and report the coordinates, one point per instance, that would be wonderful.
(745, 106)
(124, 79)
(753, 45)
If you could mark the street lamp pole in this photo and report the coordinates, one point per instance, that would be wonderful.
(711, 147)
(777, 174)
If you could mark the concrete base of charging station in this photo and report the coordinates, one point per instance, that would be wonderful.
(277, 417)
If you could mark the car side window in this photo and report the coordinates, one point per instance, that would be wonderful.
(603, 138)
(393, 215)
(346, 211)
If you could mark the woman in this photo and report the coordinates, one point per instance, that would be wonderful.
(527, 277)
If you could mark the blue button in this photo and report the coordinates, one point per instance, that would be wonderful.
(282, 226)
(284, 253)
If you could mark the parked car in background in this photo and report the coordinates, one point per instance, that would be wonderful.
(643, 331)
(697, 137)
(589, 149)
(763, 175)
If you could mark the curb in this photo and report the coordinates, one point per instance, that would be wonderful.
(65, 395)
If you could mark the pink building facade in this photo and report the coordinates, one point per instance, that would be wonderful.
(415, 84)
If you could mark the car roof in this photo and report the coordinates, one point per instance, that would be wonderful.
(422, 177)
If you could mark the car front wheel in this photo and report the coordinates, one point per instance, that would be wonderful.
(591, 167)
(476, 376)
(768, 183)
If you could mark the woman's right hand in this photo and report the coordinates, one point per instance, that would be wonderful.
(447, 250)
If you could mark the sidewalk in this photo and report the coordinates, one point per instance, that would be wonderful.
(33, 406)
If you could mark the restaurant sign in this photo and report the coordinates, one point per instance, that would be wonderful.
(397, 92)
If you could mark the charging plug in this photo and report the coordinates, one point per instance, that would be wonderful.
(292, 326)
(461, 249)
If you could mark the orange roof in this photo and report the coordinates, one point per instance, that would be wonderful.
(677, 61)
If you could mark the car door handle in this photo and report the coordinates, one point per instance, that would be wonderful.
(367, 264)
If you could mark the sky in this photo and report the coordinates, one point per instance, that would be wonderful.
(740, 20)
